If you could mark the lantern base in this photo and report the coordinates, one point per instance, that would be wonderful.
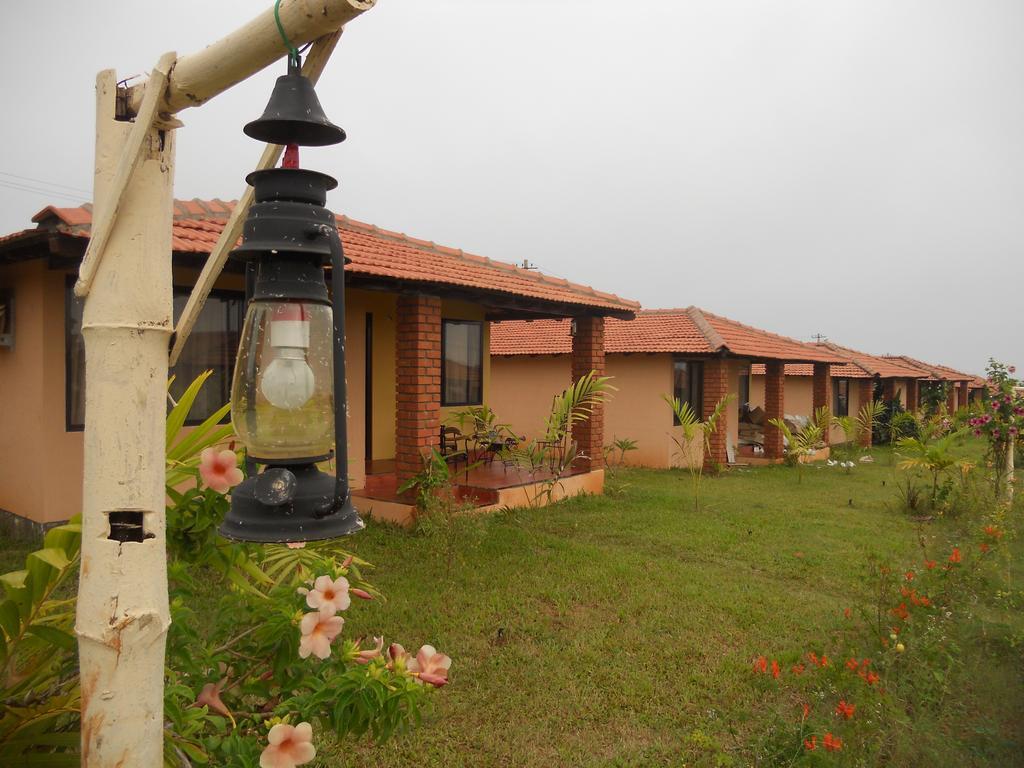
(288, 504)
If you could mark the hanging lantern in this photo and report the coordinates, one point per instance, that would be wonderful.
(288, 403)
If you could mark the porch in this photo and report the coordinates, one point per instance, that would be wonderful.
(487, 483)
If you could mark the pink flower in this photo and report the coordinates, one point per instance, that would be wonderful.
(329, 596)
(318, 630)
(399, 656)
(430, 666)
(364, 657)
(288, 746)
(362, 594)
(210, 697)
(219, 469)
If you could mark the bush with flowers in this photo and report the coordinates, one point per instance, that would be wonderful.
(1001, 421)
(261, 665)
(895, 663)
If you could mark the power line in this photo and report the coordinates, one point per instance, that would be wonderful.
(45, 192)
(46, 183)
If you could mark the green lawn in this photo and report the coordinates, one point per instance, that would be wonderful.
(619, 630)
(615, 630)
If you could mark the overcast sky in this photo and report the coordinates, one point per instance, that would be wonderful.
(854, 169)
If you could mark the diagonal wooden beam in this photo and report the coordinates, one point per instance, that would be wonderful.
(130, 160)
(312, 68)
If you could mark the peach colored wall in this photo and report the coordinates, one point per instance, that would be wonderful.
(21, 393)
(522, 388)
(800, 398)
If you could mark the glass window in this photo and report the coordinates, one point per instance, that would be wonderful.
(688, 385)
(212, 345)
(841, 397)
(462, 353)
(744, 389)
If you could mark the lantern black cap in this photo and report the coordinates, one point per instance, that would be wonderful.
(286, 504)
(294, 115)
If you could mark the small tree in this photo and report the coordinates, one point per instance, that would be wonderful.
(1001, 423)
(856, 427)
(691, 427)
(932, 452)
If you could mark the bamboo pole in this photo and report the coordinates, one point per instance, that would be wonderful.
(122, 615)
(312, 68)
(200, 76)
(130, 159)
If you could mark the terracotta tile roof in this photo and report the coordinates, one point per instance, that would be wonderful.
(875, 365)
(676, 331)
(797, 369)
(374, 252)
(932, 371)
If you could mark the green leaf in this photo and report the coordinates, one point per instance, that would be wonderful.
(53, 557)
(179, 413)
(10, 621)
(200, 437)
(14, 579)
(53, 636)
(64, 760)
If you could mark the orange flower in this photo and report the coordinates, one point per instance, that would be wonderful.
(909, 575)
(775, 669)
(905, 591)
(929, 564)
(811, 744)
(851, 664)
(848, 613)
(845, 710)
(824, 661)
(924, 601)
(761, 664)
(993, 532)
(872, 678)
(812, 657)
(832, 743)
(798, 669)
(955, 557)
(900, 611)
(807, 711)
(984, 547)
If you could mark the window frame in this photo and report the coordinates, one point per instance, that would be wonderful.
(835, 396)
(695, 381)
(445, 403)
(178, 290)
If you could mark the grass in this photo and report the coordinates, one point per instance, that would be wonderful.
(619, 630)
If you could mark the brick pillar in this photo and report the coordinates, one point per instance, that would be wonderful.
(587, 356)
(963, 393)
(716, 386)
(774, 407)
(418, 385)
(913, 395)
(888, 390)
(866, 393)
(951, 397)
(823, 392)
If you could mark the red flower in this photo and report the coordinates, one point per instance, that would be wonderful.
(900, 612)
(761, 664)
(984, 547)
(775, 669)
(798, 669)
(851, 664)
(992, 532)
(955, 557)
(807, 711)
(929, 564)
(909, 575)
(848, 613)
(812, 657)
(924, 601)
(872, 678)
(811, 744)
(824, 661)
(832, 743)
(845, 710)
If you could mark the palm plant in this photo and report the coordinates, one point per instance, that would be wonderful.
(806, 440)
(934, 455)
(692, 428)
(856, 427)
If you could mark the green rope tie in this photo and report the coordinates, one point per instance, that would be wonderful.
(293, 52)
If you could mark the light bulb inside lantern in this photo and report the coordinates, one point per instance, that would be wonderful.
(288, 380)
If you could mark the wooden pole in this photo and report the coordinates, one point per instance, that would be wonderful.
(123, 615)
(200, 76)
